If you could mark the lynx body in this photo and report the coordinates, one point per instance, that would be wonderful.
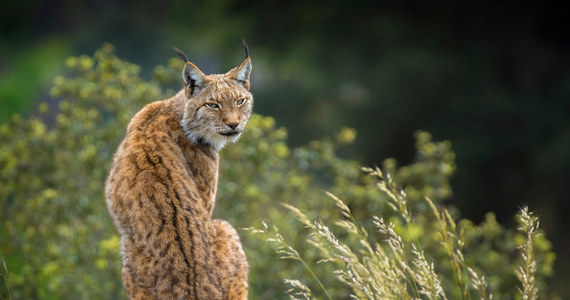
(161, 191)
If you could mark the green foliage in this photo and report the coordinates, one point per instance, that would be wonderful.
(59, 242)
(25, 77)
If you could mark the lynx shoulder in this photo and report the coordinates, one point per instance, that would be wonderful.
(161, 191)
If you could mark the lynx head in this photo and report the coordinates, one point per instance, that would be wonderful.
(217, 106)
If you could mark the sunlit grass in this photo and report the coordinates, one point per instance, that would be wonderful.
(395, 268)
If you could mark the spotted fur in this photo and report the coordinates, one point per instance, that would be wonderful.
(161, 191)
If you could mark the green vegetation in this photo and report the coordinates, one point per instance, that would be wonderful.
(396, 236)
(31, 74)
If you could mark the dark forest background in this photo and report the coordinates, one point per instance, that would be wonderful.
(491, 77)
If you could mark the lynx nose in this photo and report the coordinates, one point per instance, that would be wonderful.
(232, 125)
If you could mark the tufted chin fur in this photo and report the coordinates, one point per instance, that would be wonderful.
(207, 135)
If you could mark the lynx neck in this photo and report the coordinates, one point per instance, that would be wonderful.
(201, 160)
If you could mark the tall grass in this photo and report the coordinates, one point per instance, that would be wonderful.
(394, 267)
(528, 224)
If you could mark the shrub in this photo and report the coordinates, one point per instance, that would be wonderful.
(59, 242)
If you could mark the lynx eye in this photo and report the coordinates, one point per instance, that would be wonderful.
(212, 105)
(240, 101)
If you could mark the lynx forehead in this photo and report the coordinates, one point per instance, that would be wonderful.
(218, 106)
(161, 191)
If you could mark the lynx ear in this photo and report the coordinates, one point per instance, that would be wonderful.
(193, 77)
(242, 72)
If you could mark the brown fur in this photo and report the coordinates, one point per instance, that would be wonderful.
(161, 192)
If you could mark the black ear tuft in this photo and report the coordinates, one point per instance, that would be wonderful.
(181, 54)
(245, 47)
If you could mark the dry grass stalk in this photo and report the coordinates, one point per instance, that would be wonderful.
(526, 273)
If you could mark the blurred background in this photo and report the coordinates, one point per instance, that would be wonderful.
(491, 77)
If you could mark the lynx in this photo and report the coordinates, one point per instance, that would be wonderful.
(161, 190)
